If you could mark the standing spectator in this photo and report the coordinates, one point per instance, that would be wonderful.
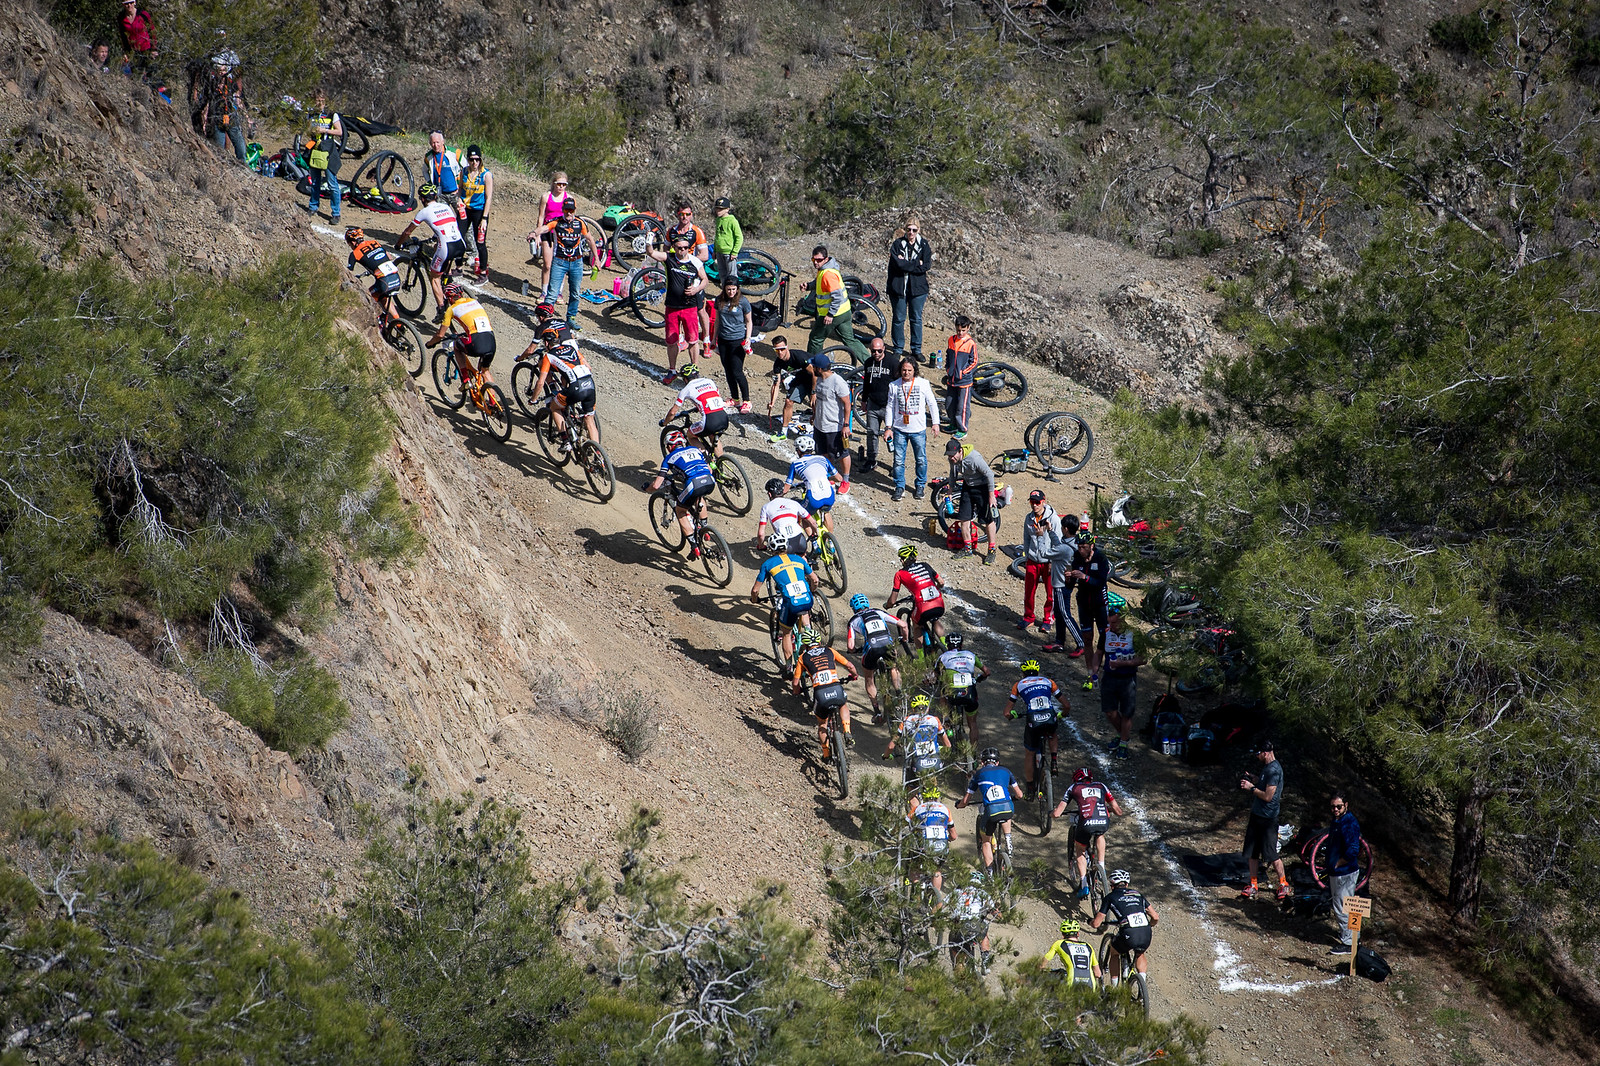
(554, 204)
(1119, 689)
(100, 57)
(686, 293)
(701, 250)
(1090, 573)
(1261, 834)
(1041, 533)
(791, 374)
(327, 130)
(735, 327)
(1063, 560)
(139, 53)
(1344, 867)
(443, 165)
(568, 233)
(834, 319)
(830, 402)
(223, 116)
(909, 259)
(477, 186)
(727, 242)
(876, 375)
(969, 468)
(911, 417)
(960, 369)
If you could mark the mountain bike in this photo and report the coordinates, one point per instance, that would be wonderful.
(455, 389)
(1044, 783)
(1127, 976)
(411, 260)
(1062, 440)
(826, 552)
(713, 549)
(733, 481)
(1094, 877)
(399, 334)
(821, 619)
(916, 639)
(568, 443)
(836, 752)
(945, 496)
(758, 272)
(1315, 855)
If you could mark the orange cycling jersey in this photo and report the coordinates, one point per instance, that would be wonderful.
(565, 360)
(817, 664)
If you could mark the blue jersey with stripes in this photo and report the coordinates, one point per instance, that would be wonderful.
(788, 574)
(992, 785)
(688, 462)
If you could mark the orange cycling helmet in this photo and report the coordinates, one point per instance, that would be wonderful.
(354, 234)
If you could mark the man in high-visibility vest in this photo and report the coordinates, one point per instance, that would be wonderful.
(833, 307)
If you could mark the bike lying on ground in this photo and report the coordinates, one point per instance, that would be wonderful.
(1061, 440)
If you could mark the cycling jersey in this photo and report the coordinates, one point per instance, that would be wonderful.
(1118, 647)
(1128, 908)
(469, 315)
(875, 628)
(992, 785)
(569, 234)
(687, 462)
(789, 575)
(374, 256)
(958, 672)
(695, 233)
(815, 471)
(565, 363)
(919, 736)
(1091, 798)
(933, 823)
(441, 218)
(1040, 701)
(703, 395)
(783, 515)
(817, 665)
(922, 583)
(681, 274)
(1077, 957)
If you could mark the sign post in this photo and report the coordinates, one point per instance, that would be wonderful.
(1357, 907)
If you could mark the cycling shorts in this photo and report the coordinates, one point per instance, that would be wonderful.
(1131, 941)
(696, 489)
(873, 659)
(1034, 738)
(926, 615)
(914, 777)
(797, 392)
(1091, 613)
(385, 285)
(579, 396)
(816, 506)
(683, 324)
(709, 422)
(965, 699)
(788, 614)
(1085, 834)
(444, 253)
(989, 824)
(482, 346)
(826, 699)
(1117, 694)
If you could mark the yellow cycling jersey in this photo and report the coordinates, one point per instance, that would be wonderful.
(470, 314)
(1077, 957)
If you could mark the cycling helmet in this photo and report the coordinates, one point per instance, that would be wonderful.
(908, 552)
(689, 371)
(1121, 877)
(454, 292)
(930, 792)
(990, 755)
(676, 440)
(1070, 927)
(919, 703)
(427, 191)
(1081, 775)
(859, 602)
(809, 636)
(544, 311)
(774, 488)
(953, 641)
(1115, 604)
(776, 543)
(804, 444)
(354, 234)
(1031, 666)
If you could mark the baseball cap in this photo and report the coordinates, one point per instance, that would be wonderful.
(821, 362)
(724, 204)
(1260, 746)
(1036, 495)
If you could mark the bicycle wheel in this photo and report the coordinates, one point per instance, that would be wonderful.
(551, 441)
(1138, 986)
(733, 483)
(1064, 443)
(664, 520)
(678, 423)
(1047, 796)
(759, 273)
(1315, 856)
(819, 605)
(1208, 677)
(775, 631)
(598, 469)
(648, 297)
(496, 413)
(447, 379)
(353, 143)
(388, 172)
(406, 339)
(523, 377)
(714, 556)
(1105, 953)
(1097, 885)
(1125, 558)
(906, 638)
(998, 385)
(834, 573)
(865, 319)
(632, 238)
(413, 294)
(596, 250)
(841, 756)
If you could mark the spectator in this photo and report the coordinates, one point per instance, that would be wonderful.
(1119, 689)
(686, 294)
(960, 369)
(735, 327)
(1344, 867)
(830, 402)
(877, 373)
(791, 374)
(100, 57)
(1063, 560)
(477, 185)
(444, 168)
(139, 53)
(222, 116)
(970, 469)
(834, 319)
(911, 418)
(554, 202)
(1261, 834)
(569, 232)
(1041, 532)
(327, 131)
(909, 259)
(727, 242)
(701, 250)
(1090, 573)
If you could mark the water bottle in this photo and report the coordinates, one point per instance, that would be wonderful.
(1083, 524)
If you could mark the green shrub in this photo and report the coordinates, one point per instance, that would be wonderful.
(291, 709)
(750, 207)
(552, 131)
(1473, 33)
(638, 93)
(1422, 89)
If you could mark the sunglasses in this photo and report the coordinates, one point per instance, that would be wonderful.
(560, 184)
(818, 259)
(685, 214)
(913, 229)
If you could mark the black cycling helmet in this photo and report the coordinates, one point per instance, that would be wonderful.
(990, 755)
(354, 234)
(427, 191)
(774, 488)
(953, 641)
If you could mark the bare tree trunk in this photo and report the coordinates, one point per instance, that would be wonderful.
(1466, 864)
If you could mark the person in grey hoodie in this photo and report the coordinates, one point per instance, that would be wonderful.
(1041, 532)
(1063, 560)
(969, 470)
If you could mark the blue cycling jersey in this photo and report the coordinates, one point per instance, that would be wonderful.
(789, 574)
(687, 461)
(992, 785)
(813, 471)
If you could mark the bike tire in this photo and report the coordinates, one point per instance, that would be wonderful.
(448, 380)
(841, 757)
(413, 294)
(407, 340)
(679, 423)
(388, 172)
(353, 143)
(664, 520)
(775, 632)
(550, 442)
(904, 614)
(835, 574)
(1138, 986)
(1064, 443)
(758, 272)
(1047, 797)
(495, 411)
(733, 484)
(524, 375)
(1312, 855)
(596, 250)
(630, 240)
(866, 321)
(944, 518)
(715, 557)
(597, 469)
(825, 625)
(998, 384)
(1207, 678)
(647, 295)
(1125, 570)
(1105, 953)
(1099, 884)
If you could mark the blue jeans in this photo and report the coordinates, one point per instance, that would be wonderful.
(897, 327)
(321, 179)
(918, 442)
(570, 273)
(223, 134)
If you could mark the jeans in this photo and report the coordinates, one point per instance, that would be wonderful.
(569, 271)
(222, 135)
(1342, 887)
(917, 442)
(897, 326)
(874, 418)
(321, 179)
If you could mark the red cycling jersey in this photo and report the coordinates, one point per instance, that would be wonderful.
(1091, 798)
(923, 584)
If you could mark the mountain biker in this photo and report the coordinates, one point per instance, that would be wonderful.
(876, 630)
(567, 235)
(791, 374)
(1044, 707)
(996, 788)
(926, 742)
(1076, 956)
(819, 476)
(791, 579)
(926, 589)
(477, 335)
(816, 664)
(372, 255)
(710, 410)
(971, 907)
(1135, 918)
(1091, 571)
(574, 383)
(933, 823)
(1089, 823)
(959, 674)
(1118, 690)
(441, 218)
(969, 470)
(692, 483)
(783, 516)
(686, 295)
(834, 316)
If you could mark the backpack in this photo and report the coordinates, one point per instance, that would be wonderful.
(1370, 964)
(766, 316)
(1200, 746)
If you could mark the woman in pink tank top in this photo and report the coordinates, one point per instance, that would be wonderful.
(552, 213)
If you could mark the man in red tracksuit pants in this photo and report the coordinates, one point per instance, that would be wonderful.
(1041, 533)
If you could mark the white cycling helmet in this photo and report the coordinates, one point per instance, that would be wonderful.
(777, 543)
(1121, 877)
(805, 444)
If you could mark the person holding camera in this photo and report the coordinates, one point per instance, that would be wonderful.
(1261, 834)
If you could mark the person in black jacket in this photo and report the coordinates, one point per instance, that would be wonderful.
(909, 259)
(877, 374)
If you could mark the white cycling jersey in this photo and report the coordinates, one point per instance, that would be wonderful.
(441, 218)
(783, 515)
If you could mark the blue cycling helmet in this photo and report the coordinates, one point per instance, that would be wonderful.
(859, 602)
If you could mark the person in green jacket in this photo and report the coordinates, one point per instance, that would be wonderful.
(727, 241)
